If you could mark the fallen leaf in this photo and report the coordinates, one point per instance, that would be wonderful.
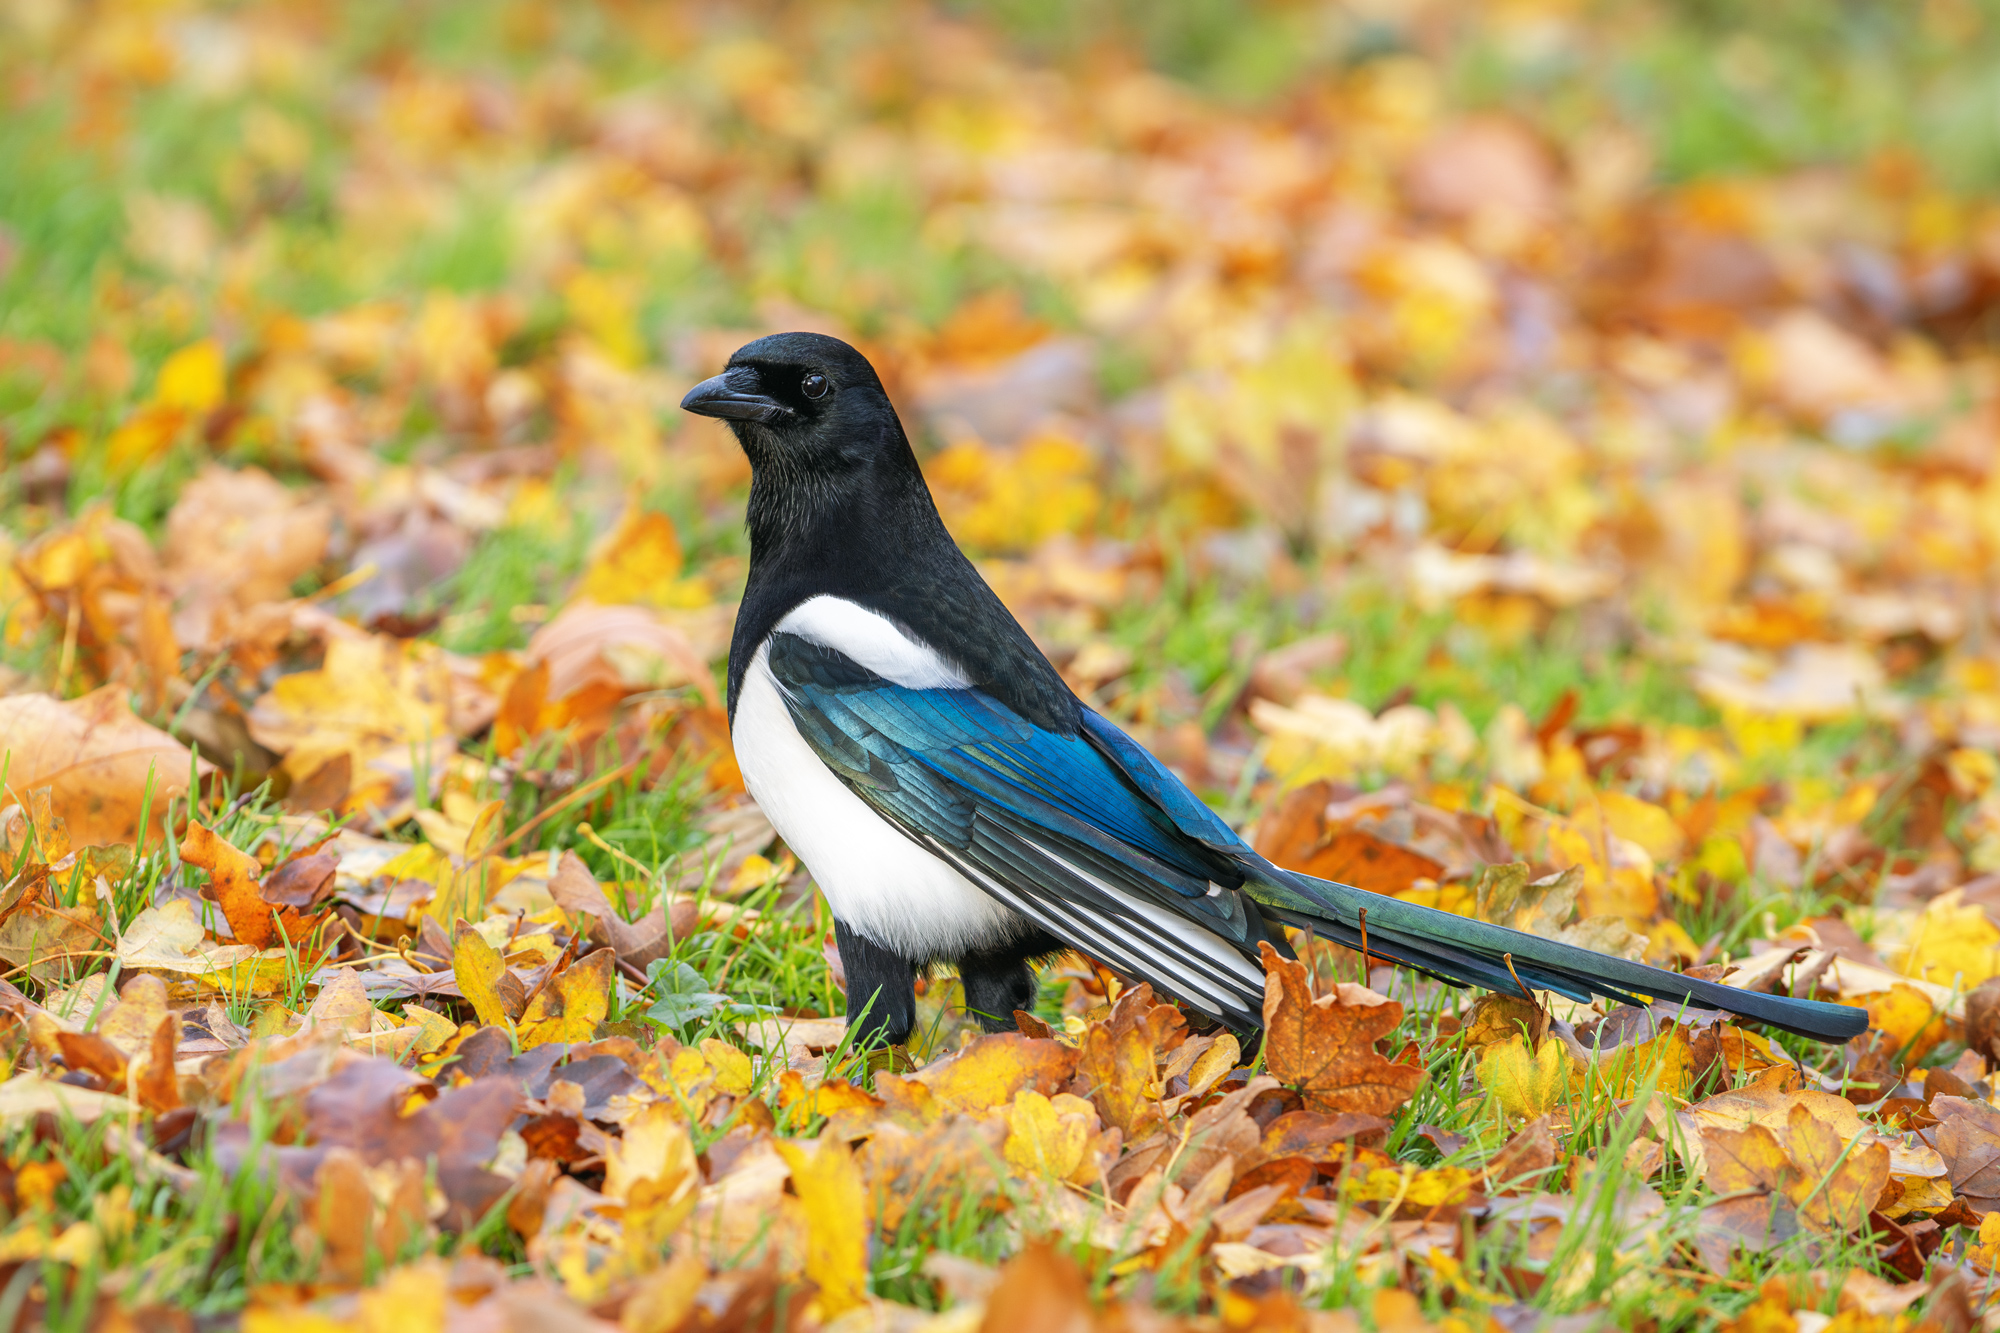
(989, 1072)
(830, 1186)
(232, 882)
(97, 758)
(1524, 1084)
(1324, 1048)
(478, 968)
(569, 1008)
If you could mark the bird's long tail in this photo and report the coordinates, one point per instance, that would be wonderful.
(1477, 953)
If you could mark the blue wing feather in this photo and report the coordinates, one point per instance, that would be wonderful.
(1094, 839)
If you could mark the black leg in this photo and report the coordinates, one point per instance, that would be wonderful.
(999, 981)
(879, 981)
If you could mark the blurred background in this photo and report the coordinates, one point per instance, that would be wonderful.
(1578, 414)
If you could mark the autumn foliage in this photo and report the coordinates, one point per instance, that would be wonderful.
(1475, 497)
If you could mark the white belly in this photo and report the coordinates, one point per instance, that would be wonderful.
(877, 881)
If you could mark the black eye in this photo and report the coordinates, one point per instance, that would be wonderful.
(815, 385)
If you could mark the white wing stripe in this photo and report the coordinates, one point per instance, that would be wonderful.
(873, 641)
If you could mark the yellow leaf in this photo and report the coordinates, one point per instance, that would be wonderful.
(732, 1066)
(604, 307)
(636, 564)
(1525, 1084)
(193, 378)
(1212, 1064)
(1018, 498)
(652, 1170)
(1642, 822)
(1666, 1061)
(570, 1007)
(1986, 1250)
(1408, 1186)
(1907, 1018)
(1953, 944)
(829, 1186)
(1042, 1140)
(437, 1028)
(478, 967)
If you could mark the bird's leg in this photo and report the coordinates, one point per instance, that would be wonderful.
(881, 988)
(999, 981)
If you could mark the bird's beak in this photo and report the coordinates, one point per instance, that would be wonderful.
(719, 398)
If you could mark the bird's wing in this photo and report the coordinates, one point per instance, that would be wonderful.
(1046, 823)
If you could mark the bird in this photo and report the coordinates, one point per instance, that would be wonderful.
(959, 806)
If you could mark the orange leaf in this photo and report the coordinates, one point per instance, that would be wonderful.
(1369, 862)
(829, 1098)
(232, 882)
(157, 1087)
(1325, 1048)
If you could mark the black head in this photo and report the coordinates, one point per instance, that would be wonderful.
(806, 405)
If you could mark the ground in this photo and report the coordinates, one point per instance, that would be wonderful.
(1536, 460)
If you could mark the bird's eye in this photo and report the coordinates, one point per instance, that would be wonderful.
(815, 385)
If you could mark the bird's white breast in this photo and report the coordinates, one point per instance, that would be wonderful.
(877, 881)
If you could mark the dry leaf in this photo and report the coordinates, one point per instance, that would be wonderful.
(569, 1008)
(97, 758)
(1325, 1048)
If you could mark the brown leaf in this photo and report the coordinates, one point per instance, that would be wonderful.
(1968, 1138)
(1529, 1153)
(1042, 1289)
(96, 757)
(1740, 1160)
(1115, 1070)
(1315, 1136)
(362, 1107)
(639, 942)
(302, 881)
(1325, 1048)
(1369, 861)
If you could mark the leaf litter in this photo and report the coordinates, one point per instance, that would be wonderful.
(1474, 513)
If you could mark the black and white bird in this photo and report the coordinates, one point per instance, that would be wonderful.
(959, 805)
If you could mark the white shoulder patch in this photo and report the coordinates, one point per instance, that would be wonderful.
(874, 641)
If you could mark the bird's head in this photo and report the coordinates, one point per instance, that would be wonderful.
(802, 402)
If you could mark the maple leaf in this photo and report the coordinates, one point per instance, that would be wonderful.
(1968, 1137)
(569, 1008)
(651, 1169)
(1049, 1137)
(1324, 1048)
(1524, 1084)
(1118, 1060)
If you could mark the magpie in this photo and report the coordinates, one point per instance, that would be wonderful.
(958, 805)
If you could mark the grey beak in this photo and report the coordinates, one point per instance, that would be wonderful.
(719, 398)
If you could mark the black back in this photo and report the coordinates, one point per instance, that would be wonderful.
(839, 506)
